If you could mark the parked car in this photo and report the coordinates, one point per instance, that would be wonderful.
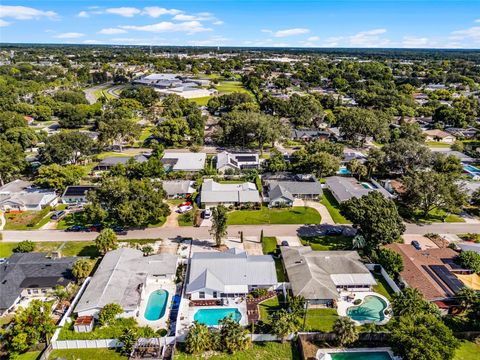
(333, 231)
(184, 209)
(186, 203)
(77, 228)
(119, 230)
(57, 215)
(207, 214)
(285, 243)
(416, 245)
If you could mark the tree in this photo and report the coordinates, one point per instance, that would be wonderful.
(25, 246)
(377, 218)
(284, 323)
(403, 156)
(106, 241)
(297, 305)
(233, 336)
(109, 313)
(468, 297)
(356, 124)
(345, 331)
(319, 163)
(24, 136)
(147, 250)
(359, 242)
(61, 294)
(128, 339)
(390, 260)
(30, 326)
(429, 190)
(276, 162)
(198, 339)
(475, 199)
(422, 337)
(219, 224)
(447, 164)
(58, 177)
(470, 260)
(12, 161)
(82, 268)
(173, 132)
(357, 168)
(411, 302)
(116, 126)
(66, 148)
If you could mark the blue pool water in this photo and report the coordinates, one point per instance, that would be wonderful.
(211, 317)
(156, 306)
(343, 171)
(471, 169)
(364, 355)
(371, 309)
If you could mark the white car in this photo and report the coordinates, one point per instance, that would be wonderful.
(184, 209)
(207, 214)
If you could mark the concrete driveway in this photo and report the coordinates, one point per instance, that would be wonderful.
(322, 210)
(292, 240)
(424, 242)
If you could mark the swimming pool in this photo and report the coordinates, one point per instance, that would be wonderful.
(367, 185)
(211, 317)
(156, 305)
(471, 169)
(343, 171)
(371, 309)
(363, 355)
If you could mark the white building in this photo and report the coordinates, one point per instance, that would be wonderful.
(20, 195)
(188, 162)
(214, 194)
(236, 161)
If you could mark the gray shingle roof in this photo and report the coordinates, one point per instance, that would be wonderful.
(345, 188)
(218, 270)
(120, 277)
(175, 187)
(298, 187)
(278, 192)
(30, 270)
(114, 160)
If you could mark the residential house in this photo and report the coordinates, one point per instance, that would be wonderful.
(109, 162)
(345, 188)
(122, 277)
(320, 276)
(22, 196)
(214, 194)
(309, 134)
(178, 188)
(32, 275)
(76, 194)
(283, 188)
(187, 162)
(439, 136)
(431, 271)
(216, 275)
(237, 161)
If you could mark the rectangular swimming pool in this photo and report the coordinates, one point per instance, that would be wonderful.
(363, 355)
(211, 317)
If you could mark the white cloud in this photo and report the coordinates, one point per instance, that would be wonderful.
(112, 31)
(472, 34)
(213, 41)
(291, 32)
(124, 11)
(155, 11)
(477, 20)
(24, 13)
(197, 17)
(92, 42)
(69, 35)
(332, 41)
(218, 22)
(4, 23)
(83, 14)
(268, 31)
(369, 38)
(415, 42)
(313, 38)
(167, 26)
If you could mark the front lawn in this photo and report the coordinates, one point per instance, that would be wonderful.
(294, 215)
(437, 144)
(27, 220)
(333, 207)
(467, 351)
(31, 355)
(186, 219)
(71, 248)
(258, 351)
(328, 242)
(269, 245)
(437, 215)
(321, 319)
(87, 354)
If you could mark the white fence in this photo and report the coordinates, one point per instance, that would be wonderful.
(385, 275)
(86, 344)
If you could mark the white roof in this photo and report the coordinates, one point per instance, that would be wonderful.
(213, 192)
(186, 161)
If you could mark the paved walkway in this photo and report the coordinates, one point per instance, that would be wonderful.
(323, 211)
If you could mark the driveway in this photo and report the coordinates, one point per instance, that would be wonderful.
(292, 240)
(424, 242)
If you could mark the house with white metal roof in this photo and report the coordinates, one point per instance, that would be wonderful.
(233, 273)
(214, 194)
(187, 162)
(122, 277)
(178, 188)
(319, 276)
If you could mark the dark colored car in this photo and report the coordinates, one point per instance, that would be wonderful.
(333, 231)
(75, 228)
(119, 230)
(284, 243)
(416, 245)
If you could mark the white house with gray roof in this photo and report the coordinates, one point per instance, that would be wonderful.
(122, 278)
(345, 188)
(319, 276)
(284, 189)
(178, 188)
(21, 195)
(214, 194)
(216, 275)
(187, 162)
(237, 161)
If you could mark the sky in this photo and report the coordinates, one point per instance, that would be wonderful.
(272, 23)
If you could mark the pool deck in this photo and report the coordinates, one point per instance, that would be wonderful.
(170, 287)
(343, 305)
(324, 354)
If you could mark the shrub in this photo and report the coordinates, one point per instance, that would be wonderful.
(260, 292)
(357, 302)
(108, 314)
(24, 247)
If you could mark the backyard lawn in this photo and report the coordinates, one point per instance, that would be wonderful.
(259, 351)
(328, 242)
(382, 287)
(294, 215)
(269, 306)
(31, 355)
(106, 332)
(87, 354)
(226, 87)
(467, 351)
(201, 101)
(321, 319)
(333, 208)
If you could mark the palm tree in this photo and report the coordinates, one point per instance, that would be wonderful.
(219, 224)
(198, 339)
(233, 336)
(284, 323)
(345, 331)
(61, 294)
(147, 250)
(358, 242)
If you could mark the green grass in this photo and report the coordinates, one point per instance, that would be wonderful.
(321, 319)
(71, 248)
(106, 332)
(328, 242)
(438, 215)
(76, 218)
(31, 355)
(467, 351)
(269, 245)
(270, 306)
(437, 144)
(226, 87)
(6, 249)
(295, 215)
(258, 351)
(333, 208)
(158, 224)
(201, 101)
(382, 287)
(87, 354)
(20, 221)
(186, 219)
(146, 132)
